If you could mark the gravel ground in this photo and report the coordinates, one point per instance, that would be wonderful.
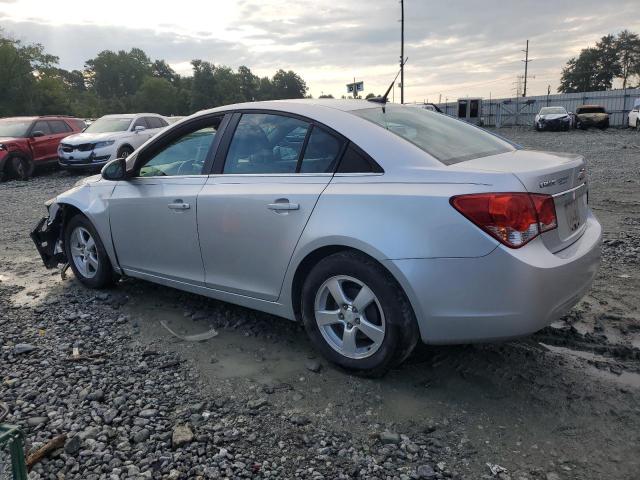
(256, 402)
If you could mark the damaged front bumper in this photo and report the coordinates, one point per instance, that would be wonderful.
(47, 238)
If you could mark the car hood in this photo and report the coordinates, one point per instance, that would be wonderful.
(593, 116)
(88, 180)
(553, 116)
(8, 139)
(80, 138)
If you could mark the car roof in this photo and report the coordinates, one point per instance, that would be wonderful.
(590, 106)
(19, 118)
(130, 115)
(383, 145)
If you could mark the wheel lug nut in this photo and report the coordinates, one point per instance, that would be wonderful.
(341, 316)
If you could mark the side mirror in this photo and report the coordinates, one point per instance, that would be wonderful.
(37, 133)
(139, 128)
(115, 170)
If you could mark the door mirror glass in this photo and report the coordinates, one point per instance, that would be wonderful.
(37, 133)
(115, 170)
(139, 128)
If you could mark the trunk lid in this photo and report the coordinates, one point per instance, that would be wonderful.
(562, 175)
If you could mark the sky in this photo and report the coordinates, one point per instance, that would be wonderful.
(455, 48)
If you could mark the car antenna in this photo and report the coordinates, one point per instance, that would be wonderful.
(383, 99)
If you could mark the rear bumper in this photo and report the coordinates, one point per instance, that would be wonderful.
(505, 294)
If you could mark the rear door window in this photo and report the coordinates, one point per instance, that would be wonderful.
(58, 126)
(321, 153)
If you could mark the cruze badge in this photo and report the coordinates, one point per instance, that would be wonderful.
(554, 181)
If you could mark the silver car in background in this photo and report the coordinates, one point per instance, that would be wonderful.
(376, 225)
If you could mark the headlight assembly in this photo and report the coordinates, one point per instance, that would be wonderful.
(104, 144)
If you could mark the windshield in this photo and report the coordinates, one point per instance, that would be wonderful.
(445, 138)
(553, 111)
(591, 110)
(109, 124)
(14, 128)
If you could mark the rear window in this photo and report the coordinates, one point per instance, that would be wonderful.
(447, 139)
(591, 110)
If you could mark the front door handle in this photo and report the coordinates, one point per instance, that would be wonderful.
(283, 206)
(179, 205)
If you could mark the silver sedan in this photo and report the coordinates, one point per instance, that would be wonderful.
(376, 225)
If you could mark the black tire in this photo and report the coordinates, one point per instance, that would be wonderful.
(103, 276)
(400, 327)
(21, 167)
(638, 124)
(124, 151)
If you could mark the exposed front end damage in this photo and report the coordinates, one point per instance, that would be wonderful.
(47, 236)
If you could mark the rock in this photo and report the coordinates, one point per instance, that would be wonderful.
(388, 438)
(256, 404)
(182, 435)
(313, 366)
(299, 420)
(142, 436)
(148, 413)
(552, 476)
(21, 348)
(109, 416)
(35, 421)
(425, 471)
(73, 445)
(96, 396)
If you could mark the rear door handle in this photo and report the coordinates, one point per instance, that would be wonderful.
(179, 205)
(279, 207)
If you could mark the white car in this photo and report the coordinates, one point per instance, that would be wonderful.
(634, 116)
(109, 137)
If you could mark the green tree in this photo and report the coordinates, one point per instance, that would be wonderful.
(581, 74)
(116, 76)
(157, 95)
(249, 84)
(162, 69)
(288, 85)
(628, 50)
(19, 67)
(203, 87)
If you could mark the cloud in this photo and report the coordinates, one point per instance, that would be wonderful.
(454, 48)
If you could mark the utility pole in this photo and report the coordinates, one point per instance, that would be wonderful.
(526, 64)
(401, 52)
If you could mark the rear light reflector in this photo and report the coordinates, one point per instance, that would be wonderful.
(514, 219)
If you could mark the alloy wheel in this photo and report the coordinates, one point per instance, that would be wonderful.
(84, 252)
(349, 317)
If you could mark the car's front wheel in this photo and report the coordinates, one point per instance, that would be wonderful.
(357, 315)
(86, 254)
(21, 167)
(124, 152)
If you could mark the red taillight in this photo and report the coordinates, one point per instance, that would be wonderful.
(512, 218)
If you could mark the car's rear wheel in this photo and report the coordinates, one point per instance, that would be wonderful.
(21, 167)
(124, 152)
(357, 315)
(86, 254)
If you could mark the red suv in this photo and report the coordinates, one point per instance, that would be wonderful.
(28, 142)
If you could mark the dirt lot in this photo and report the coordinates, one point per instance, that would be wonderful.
(139, 403)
